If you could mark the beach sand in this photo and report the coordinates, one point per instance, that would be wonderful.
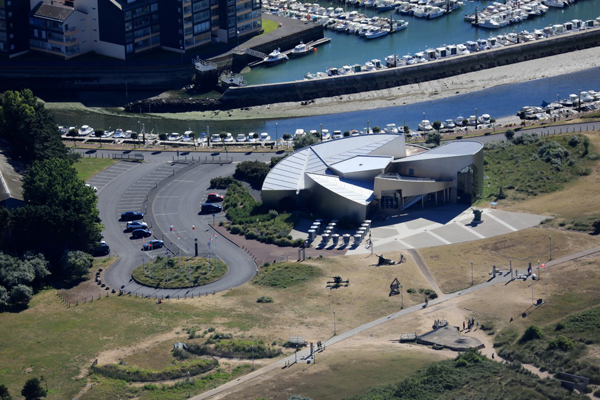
(474, 81)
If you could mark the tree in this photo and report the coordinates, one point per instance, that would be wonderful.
(255, 136)
(253, 172)
(304, 141)
(63, 208)
(33, 390)
(4, 393)
(98, 133)
(437, 125)
(30, 129)
(346, 133)
(434, 137)
(376, 129)
(163, 136)
(509, 134)
(287, 136)
(77, 264)
(406, 129)
(223, 135)
(596, 226)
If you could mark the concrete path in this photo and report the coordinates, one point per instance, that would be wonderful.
(425, 271)
(336, 339)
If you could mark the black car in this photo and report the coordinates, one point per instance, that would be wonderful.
(153, 244)
(131, 215)
(141, 233)
(101, 249)
(208, 208)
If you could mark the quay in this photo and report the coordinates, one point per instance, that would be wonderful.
(312, 44)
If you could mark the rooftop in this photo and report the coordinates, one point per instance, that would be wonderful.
(55, 12)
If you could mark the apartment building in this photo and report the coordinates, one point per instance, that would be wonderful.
(14, 32)
(123, 28)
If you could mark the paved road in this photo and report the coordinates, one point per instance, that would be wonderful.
(346, 335)
(170, 194)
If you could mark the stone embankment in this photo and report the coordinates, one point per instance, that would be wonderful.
(171, 105)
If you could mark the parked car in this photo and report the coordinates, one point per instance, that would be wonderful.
(152, 244)
(214, 198)
(141, 233)
(208, 208)
(131, 215)
(101, 249)
(94, 188)
(132, 226)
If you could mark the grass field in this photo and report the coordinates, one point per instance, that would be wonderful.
(87, 167)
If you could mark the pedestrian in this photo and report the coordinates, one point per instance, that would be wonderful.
(492, 356)
(463, 325)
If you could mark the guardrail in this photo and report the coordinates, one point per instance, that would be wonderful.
(128, 156)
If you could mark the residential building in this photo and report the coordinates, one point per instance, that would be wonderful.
(14, 32)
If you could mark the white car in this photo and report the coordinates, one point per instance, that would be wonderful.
(133, 225)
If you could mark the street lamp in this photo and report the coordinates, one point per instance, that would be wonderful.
(550, 238)
(276, 132)
(334, 327)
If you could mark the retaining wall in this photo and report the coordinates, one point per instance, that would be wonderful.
(393, 77)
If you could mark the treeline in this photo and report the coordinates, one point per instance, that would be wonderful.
(59, 222)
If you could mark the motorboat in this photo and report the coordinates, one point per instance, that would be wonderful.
(325, 135)
(301, 50)
(484, 119)
(187, 136)
(215, 138)
(118, 133)
(425, 126)
(264, 137)
(108, 134)
(420, 58)
(127, 134)
(228, 138)
(251, 138)
(338, 135)
(392, 61)
(390, 128)
(376, 32)
(240, 138)
(174, 137)
(462, 49)
(450, 124)
(85, 130)
(299, 133)
(275, 57)
(366, 131)
(460, 120)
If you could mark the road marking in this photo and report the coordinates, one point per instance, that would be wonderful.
(156, 215)
(438, 237)
(179, 180)
(512, 228)
(473, 231)
(167, 197)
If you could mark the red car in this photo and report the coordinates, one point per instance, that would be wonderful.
(214, 198)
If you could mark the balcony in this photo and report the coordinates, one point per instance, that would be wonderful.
(71, 32)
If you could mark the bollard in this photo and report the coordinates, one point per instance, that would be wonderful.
(192, 295)
(177, 297)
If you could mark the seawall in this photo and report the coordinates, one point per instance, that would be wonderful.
(393, 77)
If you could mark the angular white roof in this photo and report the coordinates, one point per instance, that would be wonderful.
(452, 149)
(345, 188)
(288, 174)
(361, 163)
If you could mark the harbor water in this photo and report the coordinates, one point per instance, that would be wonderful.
(499, 102)
(345, 49)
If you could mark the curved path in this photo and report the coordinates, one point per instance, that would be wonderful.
(170, 194)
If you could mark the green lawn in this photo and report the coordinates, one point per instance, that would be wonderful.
(87, 167)
(202, 271)
(269, 26)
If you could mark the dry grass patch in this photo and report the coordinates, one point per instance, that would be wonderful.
(451, 265)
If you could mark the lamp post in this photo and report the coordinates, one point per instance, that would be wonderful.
(472, 273)
(550, 238)
(476, 120)
(276, 132)
(334, 327)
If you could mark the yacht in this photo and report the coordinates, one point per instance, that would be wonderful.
(251, 137)
(107, 134)
(299, 133)
(484, 119)
(85, 130)
(450, 124)
(462, 49)
(338, 135)
(390, 128)
(240, 138)
(425, 126)
(119, 133)
(376, 32)
(264, 137)
(187, 136)
(215, 138)
(275, 57)
(325, 135)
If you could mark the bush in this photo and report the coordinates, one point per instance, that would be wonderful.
(221, 182)
(273, 214)
(264, 299)
(561, 343)
(131, 374)
(509, 134)
(306, 140)
(531, 333)
(236, 230)
(253, 172)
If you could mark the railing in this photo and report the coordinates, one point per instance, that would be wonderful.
(411, 178)
(203, 65)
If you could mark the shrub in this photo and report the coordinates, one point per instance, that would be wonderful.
(236, 230)
(562, 343)
(461, 363)
(273, 214)
(560, 326)
(574, 141)
(509, 134)
(253, 172)
(131, 374)
(306, 140)
(220, 182)
(531, 333)
(264, 299)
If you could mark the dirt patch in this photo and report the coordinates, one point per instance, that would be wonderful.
(91, 288)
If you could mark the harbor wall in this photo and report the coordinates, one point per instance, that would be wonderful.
(393, 77)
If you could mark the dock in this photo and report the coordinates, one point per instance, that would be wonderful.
(312, 44)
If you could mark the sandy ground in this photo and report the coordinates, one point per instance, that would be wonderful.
(416, 93)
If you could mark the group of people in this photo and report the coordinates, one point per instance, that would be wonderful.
(470, 324)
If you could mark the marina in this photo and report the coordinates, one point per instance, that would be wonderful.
(421, 34)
